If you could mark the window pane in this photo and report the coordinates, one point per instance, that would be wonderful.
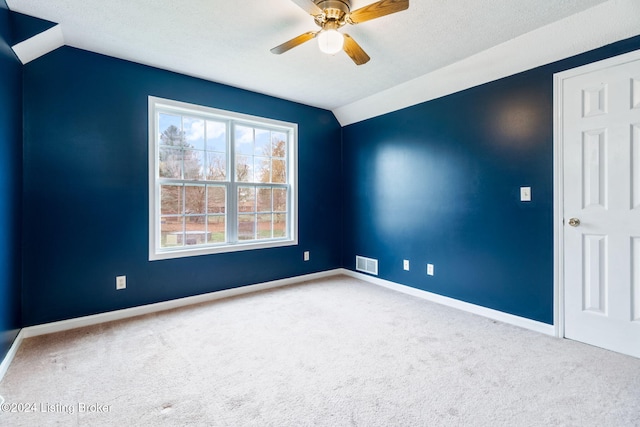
(172, 135)
(280, 225)
(196, 230)
(194, 199)
(216, 229)
(246, 227)
(264, 200)
(246, 199)
(264, 226)
(194, 132)
(216, 136)
(263, 145)
(170, 231)
(170, 164)
(193, 164)
(165, 120)
(244, 140)
(262, 169)
(216, 166)
(216, 199)
(279, 200)
(171, 199)
(279, 144)
(244, 169)
(279, 168)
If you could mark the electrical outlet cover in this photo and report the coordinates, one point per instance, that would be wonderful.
(121, 282)
(430, 269)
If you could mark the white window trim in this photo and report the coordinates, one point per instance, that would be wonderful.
(155, 252)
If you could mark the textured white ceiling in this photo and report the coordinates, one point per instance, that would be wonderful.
(229, 41)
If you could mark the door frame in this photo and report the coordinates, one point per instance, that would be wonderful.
(558, 181)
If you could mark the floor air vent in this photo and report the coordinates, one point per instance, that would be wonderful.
(367, 265)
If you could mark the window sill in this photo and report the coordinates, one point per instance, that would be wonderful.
(189, 252)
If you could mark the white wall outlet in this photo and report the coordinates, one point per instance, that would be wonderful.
(430, 271)
(405, 264)
(121, 282)
(306, 256)
(525, 194)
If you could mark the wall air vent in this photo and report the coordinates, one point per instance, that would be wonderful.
(367, 265)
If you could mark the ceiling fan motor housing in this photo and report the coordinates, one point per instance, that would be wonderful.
(334, 11)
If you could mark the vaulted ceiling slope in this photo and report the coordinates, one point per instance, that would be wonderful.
(433, 48)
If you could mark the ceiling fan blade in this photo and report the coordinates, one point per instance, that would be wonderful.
(296, 41)
(355, 52)
(376, 10)
(309, 6)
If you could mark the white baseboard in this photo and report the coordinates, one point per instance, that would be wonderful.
(4, 366)
(511, 319)
(64, 325)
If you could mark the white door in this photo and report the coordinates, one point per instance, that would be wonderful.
(600, 131)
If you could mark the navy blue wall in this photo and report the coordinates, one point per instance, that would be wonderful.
(439, 183)
(10, 184)
(85, 189)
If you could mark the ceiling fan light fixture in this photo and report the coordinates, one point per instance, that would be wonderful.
(330, 41)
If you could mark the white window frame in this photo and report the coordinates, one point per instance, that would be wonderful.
(156, 252)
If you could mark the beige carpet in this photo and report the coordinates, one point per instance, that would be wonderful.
(334, 352)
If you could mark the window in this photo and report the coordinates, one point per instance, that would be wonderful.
(218, 181)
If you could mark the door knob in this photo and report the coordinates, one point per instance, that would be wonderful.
(574, 222)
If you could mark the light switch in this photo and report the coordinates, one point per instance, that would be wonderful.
(525, 194)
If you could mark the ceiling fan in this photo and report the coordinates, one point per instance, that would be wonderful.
(330, 15)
